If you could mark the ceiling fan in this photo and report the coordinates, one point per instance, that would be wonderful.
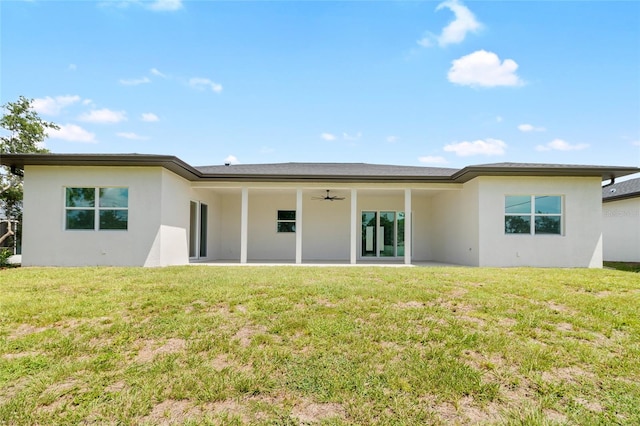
(328, 197)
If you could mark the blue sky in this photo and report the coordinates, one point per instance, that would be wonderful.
(397, 82)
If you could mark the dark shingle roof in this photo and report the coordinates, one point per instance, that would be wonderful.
(326, 169)
(315, 172)
(626, 189)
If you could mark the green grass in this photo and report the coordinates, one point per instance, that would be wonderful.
(624, 266)
(294, 345)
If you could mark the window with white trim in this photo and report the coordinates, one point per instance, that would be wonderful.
(533, 214)
(286, 221)
(100, 209)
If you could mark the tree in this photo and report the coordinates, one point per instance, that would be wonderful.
(26, 134)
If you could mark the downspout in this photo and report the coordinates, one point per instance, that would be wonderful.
(613, 180)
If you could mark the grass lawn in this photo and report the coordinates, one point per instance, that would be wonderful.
(295, 345)
(624, 266)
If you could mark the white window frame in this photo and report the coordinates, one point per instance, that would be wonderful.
(279, 221)
(533, 215)
(96, 208)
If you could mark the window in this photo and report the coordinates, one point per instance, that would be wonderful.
(96, 208)
(533, 214)
(286, 221)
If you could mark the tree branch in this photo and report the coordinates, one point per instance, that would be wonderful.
(7, 234)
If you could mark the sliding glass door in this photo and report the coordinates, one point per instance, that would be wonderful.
(382, 234)
(198, 213)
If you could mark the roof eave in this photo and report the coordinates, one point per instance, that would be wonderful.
(621, 197)
(317, 178)
(169, 162)
(605, 173)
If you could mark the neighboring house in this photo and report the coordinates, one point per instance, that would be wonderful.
(621, 221)
(156, 210)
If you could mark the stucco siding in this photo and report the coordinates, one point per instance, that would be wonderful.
(325, 228)
(175, 197)
(230, 213)
(422, 226)
(580, 244)
(264, 242)
(455, 226)
(47, 243)
(214, 220)
(621, 230)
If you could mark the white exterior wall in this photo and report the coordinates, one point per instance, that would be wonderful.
(464, 225)
(621, 230)
(580, 245)
(230, 212)
(326, 227)
(455, 226)
(46, 242)
(264, 242)
(214, 220)
(422, 226)
(174, 220)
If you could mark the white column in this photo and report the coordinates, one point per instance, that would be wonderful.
(354, 226)
(244, 224)
(299, 225)
(407, 227)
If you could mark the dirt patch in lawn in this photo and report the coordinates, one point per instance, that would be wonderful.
(412, 304)
(311, 412)
(172, 412)
(24, 330)
(246, 333)
(566, 374)
(463, 412)
(150, 349)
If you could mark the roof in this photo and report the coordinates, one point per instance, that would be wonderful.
(621, 190)
(319, 172)
(326, 169)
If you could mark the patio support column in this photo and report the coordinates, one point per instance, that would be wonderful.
(354, 226)
(244, 222)
(407, 226)
(299, 225)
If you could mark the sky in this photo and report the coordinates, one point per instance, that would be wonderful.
(422, 83)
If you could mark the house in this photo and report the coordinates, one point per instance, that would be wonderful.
(621, 221)
(157, 210)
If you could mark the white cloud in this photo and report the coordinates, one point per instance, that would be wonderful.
(72, 67)
(135, 81)
(484, 69)
(479, 147)
(457, 29)
(165, 5)
(530, 128)
(157, 73)
(560, 145)
(426, 40)
(430, 159)
(155, 5)
(465, 22)
(636, 143)
(53, 106)
(328, 136)
(149, 117)
(103, 116)
(72, 133)
(231, 159)
(499, 119)
(204, 83)
(392, 139)
(348, 137)
(131, 136)
(87, 102)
